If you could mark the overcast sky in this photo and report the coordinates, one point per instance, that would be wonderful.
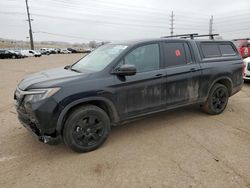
(85, 20)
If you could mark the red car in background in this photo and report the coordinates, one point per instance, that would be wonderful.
(243, 46)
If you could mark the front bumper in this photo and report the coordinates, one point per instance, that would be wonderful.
(247, 69)
(246, 78)
(39, 118)
(31, 126)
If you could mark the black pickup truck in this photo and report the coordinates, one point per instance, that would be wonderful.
(119, 82)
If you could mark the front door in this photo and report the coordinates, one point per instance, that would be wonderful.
(142, 92)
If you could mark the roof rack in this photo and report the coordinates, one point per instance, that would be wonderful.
(211, 36)
(182, 35)
(192, 36)
(241, 39)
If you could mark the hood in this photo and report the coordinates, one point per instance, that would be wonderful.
(48, 78)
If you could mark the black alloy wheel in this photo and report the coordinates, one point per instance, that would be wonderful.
(217, 100)
(86, 128)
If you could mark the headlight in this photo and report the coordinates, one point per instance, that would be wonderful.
(36, 95)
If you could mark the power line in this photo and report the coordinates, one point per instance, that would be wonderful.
(159, 20)
(122, 6)
(117, 16)
(103, 22)
(185, 21)
(151, 26)
(68, 36)
(110, 6)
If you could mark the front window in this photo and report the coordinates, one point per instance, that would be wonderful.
(100, 58)
(145, 58)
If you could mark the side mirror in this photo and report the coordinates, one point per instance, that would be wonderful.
(67, 67)
(126, 70)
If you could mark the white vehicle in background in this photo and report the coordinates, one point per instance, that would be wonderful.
(26, 53)
(65, 51)
(247, 69)
(53, 51)
(21, 52)
(31, 53)
(36, 53)
(45, 51)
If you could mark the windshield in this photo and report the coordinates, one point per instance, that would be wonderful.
(100, 58)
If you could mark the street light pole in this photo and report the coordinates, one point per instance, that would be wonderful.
(30, 29)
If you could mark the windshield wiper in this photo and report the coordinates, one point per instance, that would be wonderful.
(69, 67)
(75, 70)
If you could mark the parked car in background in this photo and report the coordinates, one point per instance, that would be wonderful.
(52, 51)
(4, 54)
(247, 69)
(88, 50)
(119, 82)
(32, 53)
(21, 53)
(35, 53)
(18, 53)
(72, 50)
(65, 51)
(58, 50)
(45, 51)
(243, 46)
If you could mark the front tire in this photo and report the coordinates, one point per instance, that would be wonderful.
(217, 100)
(86, 128)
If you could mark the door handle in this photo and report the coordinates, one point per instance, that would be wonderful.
(159, 75)
(193, 69)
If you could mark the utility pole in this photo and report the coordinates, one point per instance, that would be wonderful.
(30, 29)
(172, 24)
(211, 22)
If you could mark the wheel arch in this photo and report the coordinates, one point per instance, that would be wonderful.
(226, 81)
(100, 102)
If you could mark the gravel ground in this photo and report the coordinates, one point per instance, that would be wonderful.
(179, 148)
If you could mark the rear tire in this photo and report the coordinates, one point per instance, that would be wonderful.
(217, 100)
(86, 128)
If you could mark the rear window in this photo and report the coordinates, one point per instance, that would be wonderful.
(177, 53)
(226, 49)
(212, 50)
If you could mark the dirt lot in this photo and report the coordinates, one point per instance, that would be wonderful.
(181, 148)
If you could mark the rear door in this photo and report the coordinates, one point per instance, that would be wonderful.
(142, 92)
(183, 74)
